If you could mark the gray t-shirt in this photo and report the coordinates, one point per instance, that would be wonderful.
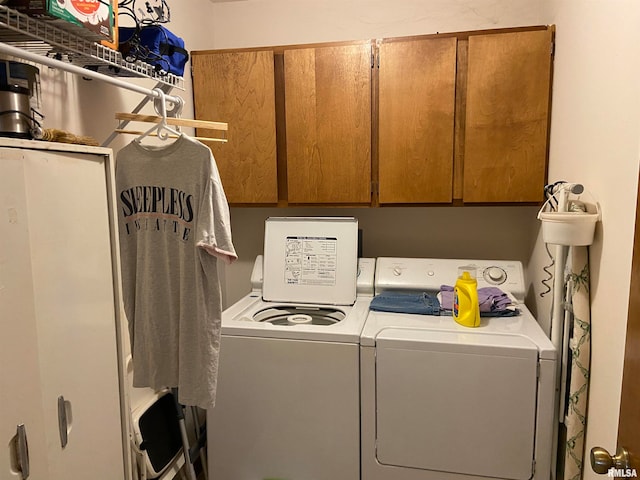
(174, 225)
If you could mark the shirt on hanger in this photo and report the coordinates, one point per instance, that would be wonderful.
(174, 226)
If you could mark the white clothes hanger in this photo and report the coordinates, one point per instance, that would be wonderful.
(201, 125)
(162, 129)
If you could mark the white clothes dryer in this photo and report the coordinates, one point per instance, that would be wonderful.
(441, 401)
(288, 398)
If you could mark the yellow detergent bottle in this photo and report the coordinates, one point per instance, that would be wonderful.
(466, 309)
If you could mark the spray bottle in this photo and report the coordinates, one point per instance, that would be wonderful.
(466, 309)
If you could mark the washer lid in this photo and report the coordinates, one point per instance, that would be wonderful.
(310, 260)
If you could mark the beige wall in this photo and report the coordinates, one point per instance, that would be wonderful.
(244, 23)
(436, 232)
(594, 140)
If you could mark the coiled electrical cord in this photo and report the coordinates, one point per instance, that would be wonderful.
(547, 270)
(548, 193)
(553, 206)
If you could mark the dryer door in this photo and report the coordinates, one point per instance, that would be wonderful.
(456, 402)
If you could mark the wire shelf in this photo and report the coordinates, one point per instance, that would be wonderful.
(75, 45)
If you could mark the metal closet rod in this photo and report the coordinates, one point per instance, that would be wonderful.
(68, 67)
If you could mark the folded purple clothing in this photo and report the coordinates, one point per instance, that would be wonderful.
(491, 299)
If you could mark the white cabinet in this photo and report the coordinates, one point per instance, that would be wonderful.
(58, 313)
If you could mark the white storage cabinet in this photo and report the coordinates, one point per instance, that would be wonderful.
(58, 311)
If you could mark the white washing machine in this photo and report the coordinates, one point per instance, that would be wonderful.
(441, 401)
(288, 398)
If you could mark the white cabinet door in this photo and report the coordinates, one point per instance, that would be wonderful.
(20, 392)
(72, 301)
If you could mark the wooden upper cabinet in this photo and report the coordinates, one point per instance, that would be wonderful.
(238, 88)
(328, 124)
(461, 117)
(507, 116)
(417, 79)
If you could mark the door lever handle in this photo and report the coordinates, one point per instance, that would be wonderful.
(62, 422)
(22, 451)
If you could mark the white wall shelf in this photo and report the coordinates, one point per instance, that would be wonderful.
(73, 46)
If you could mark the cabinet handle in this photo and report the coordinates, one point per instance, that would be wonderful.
(22, 452)
(62, 422)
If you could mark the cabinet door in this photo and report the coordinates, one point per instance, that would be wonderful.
(20, 393)
(70, 246)
(416, 126)
(238, 88)
(507, 116)
(328, 124)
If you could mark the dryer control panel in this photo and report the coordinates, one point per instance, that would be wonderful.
(429, 274)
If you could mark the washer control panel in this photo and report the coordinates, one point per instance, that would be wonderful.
(429, 274)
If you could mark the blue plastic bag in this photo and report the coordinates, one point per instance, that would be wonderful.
(154, 45)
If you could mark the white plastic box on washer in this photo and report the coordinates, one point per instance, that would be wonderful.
(288, 387)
